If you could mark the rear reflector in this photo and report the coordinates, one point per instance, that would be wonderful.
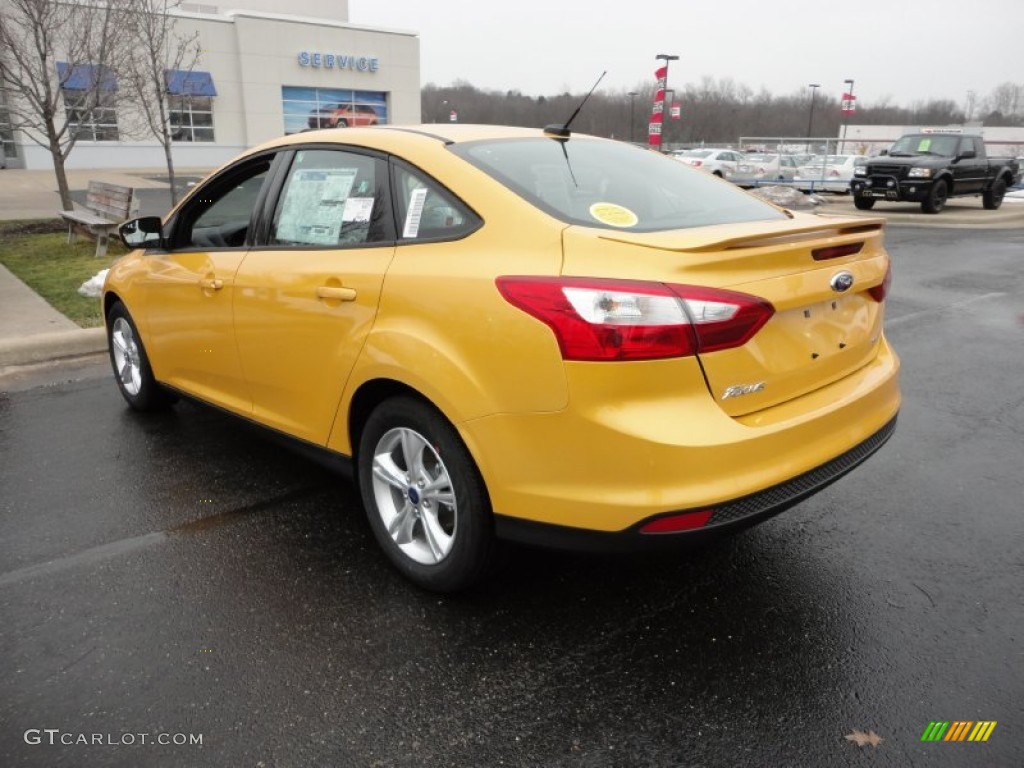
(600, 319)
(835, 251)
(686, 521)
(879, 292)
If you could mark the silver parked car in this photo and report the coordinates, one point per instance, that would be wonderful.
(760, 168)
(828, 173)
(719, 162)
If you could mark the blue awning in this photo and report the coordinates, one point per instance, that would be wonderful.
(84, 77)
(183, 82)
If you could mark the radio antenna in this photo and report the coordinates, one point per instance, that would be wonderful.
(562, 131)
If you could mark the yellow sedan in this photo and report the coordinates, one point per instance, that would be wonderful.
(515, 334)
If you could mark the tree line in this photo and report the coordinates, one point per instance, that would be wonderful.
(713, 111)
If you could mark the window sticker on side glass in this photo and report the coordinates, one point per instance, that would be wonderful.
(357, 209)
(415, 212)
(314, 205)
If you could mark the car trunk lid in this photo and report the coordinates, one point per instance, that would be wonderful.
(822, 276)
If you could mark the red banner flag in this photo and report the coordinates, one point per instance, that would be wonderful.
(849, 104)
(657, 110)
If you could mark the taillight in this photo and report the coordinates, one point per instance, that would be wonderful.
(602, 319)
(697, 163)
(879, 292)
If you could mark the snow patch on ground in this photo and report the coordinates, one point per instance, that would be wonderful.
(93, 287)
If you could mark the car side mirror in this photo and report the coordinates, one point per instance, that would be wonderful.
(883, 153)
(144, 232)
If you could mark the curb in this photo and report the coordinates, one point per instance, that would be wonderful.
(44, 347)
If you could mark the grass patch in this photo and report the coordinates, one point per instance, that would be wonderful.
(38, 253)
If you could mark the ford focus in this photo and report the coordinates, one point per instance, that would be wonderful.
(515, 334)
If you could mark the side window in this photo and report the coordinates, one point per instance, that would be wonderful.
(218, 216)
(333, 198)
(427, 211)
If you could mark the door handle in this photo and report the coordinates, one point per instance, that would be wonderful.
(336, 292)
(211, 283)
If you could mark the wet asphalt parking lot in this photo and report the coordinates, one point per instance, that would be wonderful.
(181, 575)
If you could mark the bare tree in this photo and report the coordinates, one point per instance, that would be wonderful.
(53, 105)
(159, 50)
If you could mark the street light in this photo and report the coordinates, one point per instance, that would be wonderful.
(666, 57)
(810, 120)
(847, 96)
(632, 123)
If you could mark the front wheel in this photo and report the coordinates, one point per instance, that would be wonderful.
(992, 198)
(936, 199)
(864, 203)
(424, 497)
(131, 364)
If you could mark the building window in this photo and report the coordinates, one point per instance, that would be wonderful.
(190, 104)
(6, 132)
(191, 118)
(90, 100)
(306, 109)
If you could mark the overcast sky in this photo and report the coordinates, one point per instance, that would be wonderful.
(908, 50)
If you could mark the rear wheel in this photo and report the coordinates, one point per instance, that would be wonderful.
(864, 203)
(342, 123)
(424, 496)
(131, 364)
(936, 199)
(992, 198)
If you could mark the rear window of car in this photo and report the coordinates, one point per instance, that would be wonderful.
(612, 185)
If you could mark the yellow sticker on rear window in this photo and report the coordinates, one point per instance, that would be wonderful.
(924, 145)
(613, 215)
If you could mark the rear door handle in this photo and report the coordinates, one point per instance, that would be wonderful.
(211, 283)
(336, 292)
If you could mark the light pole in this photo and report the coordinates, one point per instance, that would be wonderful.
(666, 114)
(632, 123)
(847, 97)
(810, 120)
(665, 57)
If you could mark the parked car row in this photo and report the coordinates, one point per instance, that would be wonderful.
(810, 173)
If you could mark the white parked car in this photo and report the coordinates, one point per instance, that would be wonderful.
(715, 161)
(827, 173)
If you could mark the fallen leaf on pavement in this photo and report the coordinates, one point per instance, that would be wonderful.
(862, 739)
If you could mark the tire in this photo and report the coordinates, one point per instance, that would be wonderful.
(936, 199)
(992, 198)
(718, 174)
(342, 123)
(128, 358)
(864, 203)
(437, 529)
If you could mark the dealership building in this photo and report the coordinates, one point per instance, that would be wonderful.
(260, 74)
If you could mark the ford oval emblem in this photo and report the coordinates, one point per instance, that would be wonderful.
(841, 282)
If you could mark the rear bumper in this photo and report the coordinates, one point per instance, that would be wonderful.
(638, 443)
(728, 516)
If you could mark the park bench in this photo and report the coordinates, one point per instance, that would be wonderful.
(107, 206)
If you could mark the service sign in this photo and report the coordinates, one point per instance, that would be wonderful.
(318, 60)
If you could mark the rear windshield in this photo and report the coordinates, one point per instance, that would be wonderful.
(612, 185)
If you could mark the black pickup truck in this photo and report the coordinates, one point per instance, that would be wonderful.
(928, 168)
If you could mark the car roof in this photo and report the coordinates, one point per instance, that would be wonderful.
(397, 137)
